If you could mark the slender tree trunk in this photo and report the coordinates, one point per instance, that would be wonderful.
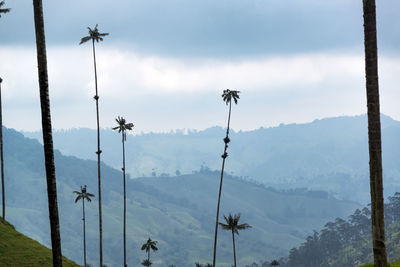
(3, 189)
(234, 248)
(84, 233)
(374, 134)
(47, 133)
(148, 255)
(98, 152)
(123, 171)
(226, 140)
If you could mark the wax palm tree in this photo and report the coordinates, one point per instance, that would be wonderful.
(146, 263)
(3, 10)
(95, 35)
(83, 194)
(148, 246)
(227, 96)
(47, 133)
(122, 128)
(274, 263)
(374, 133)
(232, 224)
(3, 190)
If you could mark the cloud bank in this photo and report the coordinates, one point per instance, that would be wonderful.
(164, 93)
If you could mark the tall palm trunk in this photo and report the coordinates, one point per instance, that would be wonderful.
(84, 232)
(224, 156)
(148, 255)
(123, 171)
(3, 189)
(47, 133)
(374, 134)
(234, 248)
(98, 152)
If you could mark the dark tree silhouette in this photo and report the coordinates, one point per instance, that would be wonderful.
(374, 134)
(227, 96)
(3, 193)
(146, 263)
(232, 224)
(274, 263)
(47, 133)
(3, 10)
(95, 35)
(122, 128)
(148, 246)
(3, 189)
(83, 194)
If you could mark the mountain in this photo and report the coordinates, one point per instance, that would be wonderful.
(178, 211)
(329, 154)
(19, 250)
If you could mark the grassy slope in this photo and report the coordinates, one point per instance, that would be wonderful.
(19, 250)
(394, 264)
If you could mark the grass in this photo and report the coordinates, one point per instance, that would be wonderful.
(19, 250)
(393, 264)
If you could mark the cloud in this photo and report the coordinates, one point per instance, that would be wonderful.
(164, 93)
(208, 28)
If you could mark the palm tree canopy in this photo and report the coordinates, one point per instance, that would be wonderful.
(94, 35)
(274, 263)
(150, 244)
(83, 194)
(123, 126)
(232, 223)
(146, 263)
(3, 10)
(228, 95)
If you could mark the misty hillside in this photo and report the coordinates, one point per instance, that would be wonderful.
(328, 154)
(179, 212)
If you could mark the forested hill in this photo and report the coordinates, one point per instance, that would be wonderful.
(328, 154)
(179, 211)
(348, 243)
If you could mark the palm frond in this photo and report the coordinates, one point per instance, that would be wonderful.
(243, 226)
(85, 39)
(78, 198)
(144, 246)
(225, 226)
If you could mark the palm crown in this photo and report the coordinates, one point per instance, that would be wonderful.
(228, 95)
(3, 10)
(83, 194)
(94, 35)
(146, 263)
(232, 223)
(123, 126)
(150, 244)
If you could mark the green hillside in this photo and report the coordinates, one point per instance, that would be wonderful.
(18, 250)
(179, 211)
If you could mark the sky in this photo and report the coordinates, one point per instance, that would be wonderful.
(165, 63)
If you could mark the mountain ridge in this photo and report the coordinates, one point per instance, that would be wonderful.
(325, 154)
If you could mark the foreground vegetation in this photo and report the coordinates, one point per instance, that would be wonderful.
(19, 250)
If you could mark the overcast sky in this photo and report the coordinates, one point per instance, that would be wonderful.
(166, 62)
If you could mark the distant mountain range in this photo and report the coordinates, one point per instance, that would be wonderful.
(178, 211)
(329, 154)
